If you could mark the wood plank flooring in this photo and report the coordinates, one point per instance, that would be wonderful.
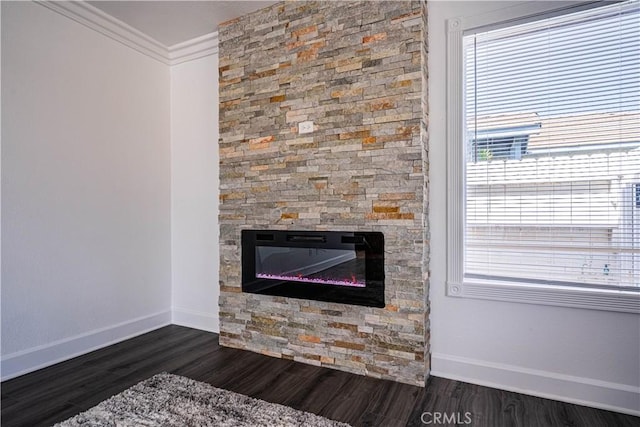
(55, 393)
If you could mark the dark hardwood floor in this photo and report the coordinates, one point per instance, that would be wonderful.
(55, 393)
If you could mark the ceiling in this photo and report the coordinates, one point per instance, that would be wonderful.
(173, 22)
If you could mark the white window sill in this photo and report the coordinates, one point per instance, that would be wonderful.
(562, 296)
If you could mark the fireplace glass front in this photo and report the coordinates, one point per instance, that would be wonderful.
(334, 266)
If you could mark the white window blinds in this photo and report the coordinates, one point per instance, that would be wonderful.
(552, 140)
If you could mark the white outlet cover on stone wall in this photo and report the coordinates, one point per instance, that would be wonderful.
(305, 127)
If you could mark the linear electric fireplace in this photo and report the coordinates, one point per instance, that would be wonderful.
(335, 266)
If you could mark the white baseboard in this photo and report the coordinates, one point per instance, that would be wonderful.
(25, 361)
(565, 388)
(195, 319)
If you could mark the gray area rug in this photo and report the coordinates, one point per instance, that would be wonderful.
(172, 400)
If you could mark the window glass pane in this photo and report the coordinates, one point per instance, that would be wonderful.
(552, 115)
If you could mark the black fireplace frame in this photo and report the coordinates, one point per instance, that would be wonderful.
(372, 243)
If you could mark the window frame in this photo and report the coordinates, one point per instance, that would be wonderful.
(456, 284)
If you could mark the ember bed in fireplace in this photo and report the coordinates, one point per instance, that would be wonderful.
(334, 266)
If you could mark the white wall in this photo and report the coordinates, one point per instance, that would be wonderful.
(575, 355)
(85, 189)
(194, 193)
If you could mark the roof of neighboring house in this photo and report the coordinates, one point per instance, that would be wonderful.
(565, 131)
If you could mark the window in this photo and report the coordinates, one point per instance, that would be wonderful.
(499, 143)
(544, 158)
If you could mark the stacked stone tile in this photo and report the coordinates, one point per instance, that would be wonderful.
(358, 71)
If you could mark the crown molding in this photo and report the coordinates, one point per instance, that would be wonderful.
(105, 24)
(196, 48)
(97, 20)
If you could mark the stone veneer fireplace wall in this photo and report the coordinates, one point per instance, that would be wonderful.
(358, 71)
